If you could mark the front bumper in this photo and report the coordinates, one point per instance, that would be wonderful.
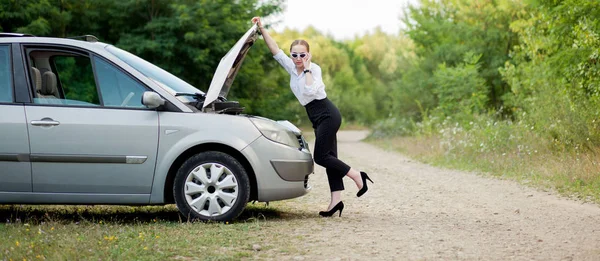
(293, 170)
(281, 171)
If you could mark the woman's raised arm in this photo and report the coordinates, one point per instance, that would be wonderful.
(268, 39)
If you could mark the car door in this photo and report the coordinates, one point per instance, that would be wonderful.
(15, 168)
(89, 132)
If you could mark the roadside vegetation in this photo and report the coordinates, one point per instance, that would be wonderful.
(507, 87)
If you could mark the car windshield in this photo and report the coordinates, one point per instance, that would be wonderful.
(163, 78)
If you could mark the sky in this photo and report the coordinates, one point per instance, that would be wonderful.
(343, 18)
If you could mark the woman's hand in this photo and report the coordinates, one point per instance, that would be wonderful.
(265, 34)
(306, 61)
(256, 20)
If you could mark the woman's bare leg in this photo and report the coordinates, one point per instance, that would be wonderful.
(355, 175)
(336, 197)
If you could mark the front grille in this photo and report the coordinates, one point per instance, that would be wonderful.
(302, 141)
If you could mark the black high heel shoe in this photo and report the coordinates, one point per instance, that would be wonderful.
(364, 189)
(330, 213)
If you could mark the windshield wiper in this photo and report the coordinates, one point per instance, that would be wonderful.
(196, 95)
(199, 97)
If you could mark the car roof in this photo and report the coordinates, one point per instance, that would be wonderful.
(27, 39)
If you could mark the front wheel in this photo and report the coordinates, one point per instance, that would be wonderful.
(211, 185)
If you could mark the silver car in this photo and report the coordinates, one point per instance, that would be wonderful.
(84, 122)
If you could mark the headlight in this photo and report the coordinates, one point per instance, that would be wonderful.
(275, 132)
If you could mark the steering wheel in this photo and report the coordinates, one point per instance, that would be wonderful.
(129, 96)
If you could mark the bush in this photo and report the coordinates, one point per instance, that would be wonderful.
(460, 90)
(392, 127)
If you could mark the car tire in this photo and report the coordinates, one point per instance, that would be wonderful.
(202, 195)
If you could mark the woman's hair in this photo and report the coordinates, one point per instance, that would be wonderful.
(300, 42)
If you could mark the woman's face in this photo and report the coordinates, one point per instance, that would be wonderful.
(298, 51)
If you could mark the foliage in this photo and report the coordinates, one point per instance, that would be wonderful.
(554, 73)
(505, 87)
(393, 127)
(532, 61)
(461, 91)
(444, 31)
(188, 38)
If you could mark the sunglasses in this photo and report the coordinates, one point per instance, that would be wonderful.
(302, 55)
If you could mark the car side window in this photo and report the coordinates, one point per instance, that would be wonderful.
(6, 92)
(76, 79)
(117, 88)
(62, 78)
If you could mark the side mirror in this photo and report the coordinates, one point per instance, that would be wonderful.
(152, 100)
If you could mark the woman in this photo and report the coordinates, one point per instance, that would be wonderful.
(307, 85)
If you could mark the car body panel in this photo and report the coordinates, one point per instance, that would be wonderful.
(182, 131)
(80, 155)
(72, 198)
(15, 168)
(271, 186)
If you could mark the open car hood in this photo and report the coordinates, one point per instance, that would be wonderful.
(229, 66)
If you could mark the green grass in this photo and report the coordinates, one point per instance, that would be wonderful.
(140, 233)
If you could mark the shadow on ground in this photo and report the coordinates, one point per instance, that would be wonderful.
(36, 214)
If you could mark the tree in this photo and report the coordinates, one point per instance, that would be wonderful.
(554, 75)
(443, 31)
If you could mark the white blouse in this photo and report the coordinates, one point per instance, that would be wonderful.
(304, 93)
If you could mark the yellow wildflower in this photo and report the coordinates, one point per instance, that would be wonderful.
(17, 243)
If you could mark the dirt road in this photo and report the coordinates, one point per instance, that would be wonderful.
(418, 212)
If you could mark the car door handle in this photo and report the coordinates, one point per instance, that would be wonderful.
(45, 122)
